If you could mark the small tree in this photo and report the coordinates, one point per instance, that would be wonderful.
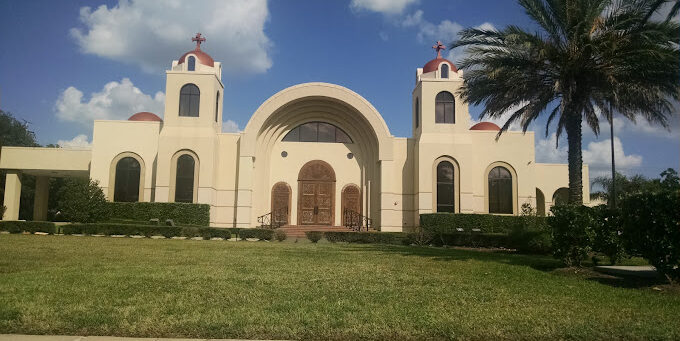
(82, 200)
(572, 231)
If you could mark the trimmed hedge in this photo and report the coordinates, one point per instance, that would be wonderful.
(261, 234)
(449, 222)
(146, 230)
(28, 226)
(180, 213)
(366, 237)
(475, 239)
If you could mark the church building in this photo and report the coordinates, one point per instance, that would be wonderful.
(313, 154)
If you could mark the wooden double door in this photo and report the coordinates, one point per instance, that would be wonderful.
(315, 205)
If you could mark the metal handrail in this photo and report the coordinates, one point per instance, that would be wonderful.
(355, 220)
(274, 219)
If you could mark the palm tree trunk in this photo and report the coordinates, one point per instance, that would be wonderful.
(573, 128)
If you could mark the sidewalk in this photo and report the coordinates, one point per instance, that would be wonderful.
(14, 337)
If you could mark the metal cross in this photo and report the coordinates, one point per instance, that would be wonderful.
(439, 46)
(198, 39)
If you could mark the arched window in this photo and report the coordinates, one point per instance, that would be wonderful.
(445, 70)
(317, 132)
(500, 190)
(417, 112)
(217, 105)
(561, 196)
(444, 108)
(184, 180)
(189, 98)
(127, 180)
(445, 188)
(192, 63)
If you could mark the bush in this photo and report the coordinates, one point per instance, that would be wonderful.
(651, 228)
(280, 235)
(82, 200)
(143, 212)
(418, 237)
(471, 239)
(261, 234)
(608, 233)
(531, 234)
(314, 236)
(572, 232)
(449, 222)
(12, 226)
(366, 237)
(146, 230)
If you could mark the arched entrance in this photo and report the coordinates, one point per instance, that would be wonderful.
(351, 200)
(316, 188)
(281, 203)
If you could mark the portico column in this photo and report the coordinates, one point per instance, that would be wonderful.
(12, 195)
(42, 192)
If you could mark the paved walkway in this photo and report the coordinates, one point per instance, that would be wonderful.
(646, 271)
(14, 337)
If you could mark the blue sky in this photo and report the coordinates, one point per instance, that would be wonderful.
(64, 65)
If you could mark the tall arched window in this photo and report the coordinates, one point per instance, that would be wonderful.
(192, 63)
(189, 99)
(217, 105)
(127, 180)
(444, 108)
(417, 112)
(500, 190)
(445, 188)
(184, 180)
(561, 196)
(445, 70)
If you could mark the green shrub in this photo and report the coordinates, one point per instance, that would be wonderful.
(81, 200)
(651, 228)
(608, 233)
(365, 237)
(143, 212)
(280, 235)
(146, 230)
(530, 234)
(314, 236)
(471, 239)
(573, 232)
(418, 237)
(12, 226)
(449, 222)
(261, 234)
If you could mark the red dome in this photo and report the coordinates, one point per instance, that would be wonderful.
(203, 57)
(485, 126)
(434, 65)
(145, 116)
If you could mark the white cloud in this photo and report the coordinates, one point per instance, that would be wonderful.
(597, 155)
(150, 33)
(446, 31)
(78, 142)
(117, 100)
(388, 7)
(230, 127)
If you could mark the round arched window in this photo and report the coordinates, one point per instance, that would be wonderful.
(128, 172)
(500, 190)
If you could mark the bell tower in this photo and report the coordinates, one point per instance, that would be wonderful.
(194, 90)
(437, 107)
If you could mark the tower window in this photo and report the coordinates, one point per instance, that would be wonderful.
(417, 112)
(445, 70)
(184, 181)
(189, 99)
(192, 63)
(445, 108)
(217, 106)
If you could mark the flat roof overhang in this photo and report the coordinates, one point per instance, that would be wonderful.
(53, 162)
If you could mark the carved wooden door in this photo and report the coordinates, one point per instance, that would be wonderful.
(307, 203)
(316, 188)
(324, 203)
(351, 200)
(281, 203)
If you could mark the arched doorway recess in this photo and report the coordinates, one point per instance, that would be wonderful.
(351, 200)
(281, 203)
(316, 188)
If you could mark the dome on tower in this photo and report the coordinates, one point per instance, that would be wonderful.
(202, 57)
(486, 126)
(433, 65)
(145, 116)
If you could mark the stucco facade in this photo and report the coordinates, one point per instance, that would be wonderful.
(235, 173)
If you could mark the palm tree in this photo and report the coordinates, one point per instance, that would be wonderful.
(589, 58)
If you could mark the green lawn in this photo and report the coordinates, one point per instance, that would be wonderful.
(174, 288)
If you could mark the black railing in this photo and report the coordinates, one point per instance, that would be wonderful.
(274, 219)
(355, 221)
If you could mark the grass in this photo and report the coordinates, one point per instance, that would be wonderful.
(218, 289)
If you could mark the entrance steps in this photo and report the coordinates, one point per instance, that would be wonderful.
(298, 231)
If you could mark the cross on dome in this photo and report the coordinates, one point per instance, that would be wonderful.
(198, 39)
(439, 46)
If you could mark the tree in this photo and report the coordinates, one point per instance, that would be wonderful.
(588, 56)
(82, 200)
(636, 184)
